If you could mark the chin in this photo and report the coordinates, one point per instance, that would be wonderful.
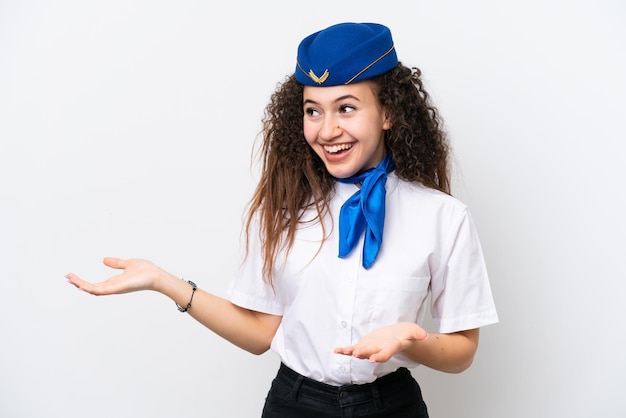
(340, 172)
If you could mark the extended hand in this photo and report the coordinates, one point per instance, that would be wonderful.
(137, 275)
(381, 344)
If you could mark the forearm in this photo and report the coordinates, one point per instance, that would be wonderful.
(250, 330)
(451, 353)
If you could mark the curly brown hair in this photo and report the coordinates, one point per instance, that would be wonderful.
(294, 179)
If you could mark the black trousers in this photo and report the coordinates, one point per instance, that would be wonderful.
(396, 395)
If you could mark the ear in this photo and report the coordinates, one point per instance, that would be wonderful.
(386, 125)
(387, 120)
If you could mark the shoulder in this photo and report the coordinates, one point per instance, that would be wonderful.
(414, 194)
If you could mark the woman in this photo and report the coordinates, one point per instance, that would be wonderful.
(350, 228)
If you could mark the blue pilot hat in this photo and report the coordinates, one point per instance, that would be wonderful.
(345, 53)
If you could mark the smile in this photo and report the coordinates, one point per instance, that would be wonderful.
(333, 149)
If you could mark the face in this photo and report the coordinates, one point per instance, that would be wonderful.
(345, 126)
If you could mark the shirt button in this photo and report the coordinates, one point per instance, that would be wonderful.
(344, 324)
(342, 369)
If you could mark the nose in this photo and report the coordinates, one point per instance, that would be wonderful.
(330, 129)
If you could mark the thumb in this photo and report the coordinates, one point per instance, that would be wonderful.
(114, 262)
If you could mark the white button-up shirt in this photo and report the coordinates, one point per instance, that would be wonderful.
(429, 245)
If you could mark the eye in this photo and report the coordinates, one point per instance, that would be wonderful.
(312, 112)
(346, 109)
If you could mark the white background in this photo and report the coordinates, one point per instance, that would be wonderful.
(126, 129)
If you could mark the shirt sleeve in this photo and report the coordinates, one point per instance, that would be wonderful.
(247, 287)
(461, 296)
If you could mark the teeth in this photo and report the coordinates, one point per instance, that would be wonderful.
(336, 148)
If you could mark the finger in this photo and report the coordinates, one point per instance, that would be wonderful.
(365, 352)
(382, 354)
(344, 350)
(380, 357)
(79, 283)
(108, 287)
(114, 262)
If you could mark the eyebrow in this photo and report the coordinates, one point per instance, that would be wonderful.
(338, 99)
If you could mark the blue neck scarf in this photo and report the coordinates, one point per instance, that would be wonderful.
(365, 211)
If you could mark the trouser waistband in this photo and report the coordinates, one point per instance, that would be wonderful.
(348, 394)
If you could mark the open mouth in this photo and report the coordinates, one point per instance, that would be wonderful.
(336, 149)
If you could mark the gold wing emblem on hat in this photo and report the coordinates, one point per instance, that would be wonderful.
(318, 80)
